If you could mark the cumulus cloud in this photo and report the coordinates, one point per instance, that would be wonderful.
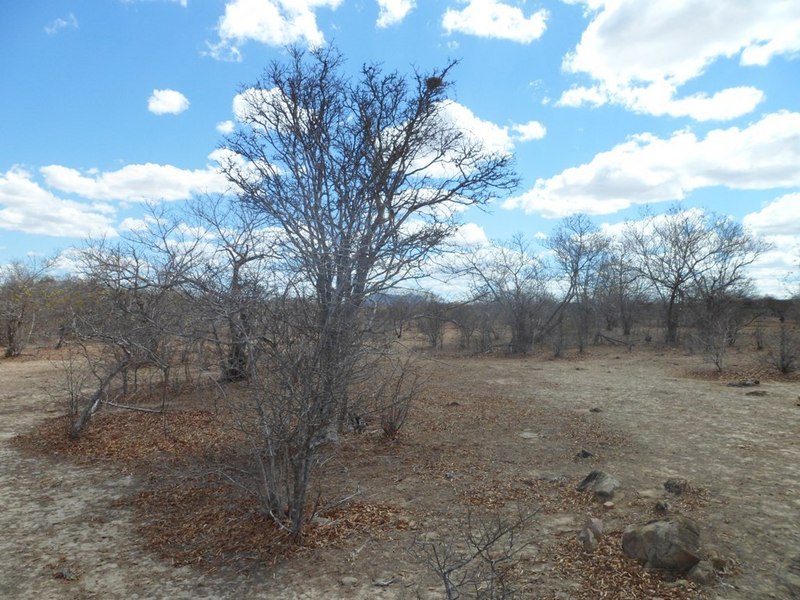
(167, 102)
(659, 99)
(136, 183)
(640, 52)
(26, 206)
(778, 222)
(393, 12)
(271, 22)
(495, 19)
(648, 169)
(532, 130)
(779, 217)
(470, 235)
(492, 137)
(225, 127)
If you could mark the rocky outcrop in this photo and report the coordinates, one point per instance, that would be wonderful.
(603, 485)
(668, 544)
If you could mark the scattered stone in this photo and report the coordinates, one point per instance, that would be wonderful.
(584, 454)
(653, 494)
(528, 435)
(608, 505)
(321, 521)
(451, 475)
(744, 383)
(589, 541)
(757, 393)
(663, 507)
(596, 409)
(600, 483)
(789, 576)
(676, 485)
(384, 582)
(702, 573)
(453, 403)
(595, 526)
(669, 544)
(349, 581)
(66, 575)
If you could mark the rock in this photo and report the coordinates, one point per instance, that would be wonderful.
(669, 544)
(744, 383)
(595, 526)
(321, 521)
(596, 409)
(66, 575)
(789, 576)
(676, 485)
(663, 507)
(757, 393)
(584, 454)
(600, 483)
(528, 435)
(702, 573)
(589, 541)
(349, 581)
(608, 505)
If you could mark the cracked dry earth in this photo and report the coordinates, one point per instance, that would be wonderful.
(64, 536)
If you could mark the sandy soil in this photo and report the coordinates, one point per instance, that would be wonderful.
(489, 433)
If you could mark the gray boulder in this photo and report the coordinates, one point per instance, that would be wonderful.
(603, 485)
(669, 544)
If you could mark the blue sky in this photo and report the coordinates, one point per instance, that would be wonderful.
(608, 105)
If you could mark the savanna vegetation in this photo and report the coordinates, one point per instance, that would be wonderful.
(283, 308)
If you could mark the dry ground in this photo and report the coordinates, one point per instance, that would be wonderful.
(490, 435)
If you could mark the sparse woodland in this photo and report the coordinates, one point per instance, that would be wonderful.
(283, 307)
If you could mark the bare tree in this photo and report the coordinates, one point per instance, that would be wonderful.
(579, 251)
(361, 180)
(621, 289)
(687, 254)
(511, 275)
(21, 295)
(478, 561)
(231, 277)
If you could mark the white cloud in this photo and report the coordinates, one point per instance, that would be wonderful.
(26, 206)
(135, 183)
(640, 52)
(394, 11)
(658, 99)
(225, 127)
(71, 22)
(270, 22)
(495, 19)
(532, 130)
(162, 102)
(470, 235)
(493, 137)
(648, 169)
(780, 217)
(779, 223)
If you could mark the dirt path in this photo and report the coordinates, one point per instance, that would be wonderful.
(742, 450)
(63, 538)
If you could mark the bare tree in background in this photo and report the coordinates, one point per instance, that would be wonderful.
(232, 278)
(621, 289)
(511, 275)
(362, 180)
(579, 250)
(689, 254)
(21, 295)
